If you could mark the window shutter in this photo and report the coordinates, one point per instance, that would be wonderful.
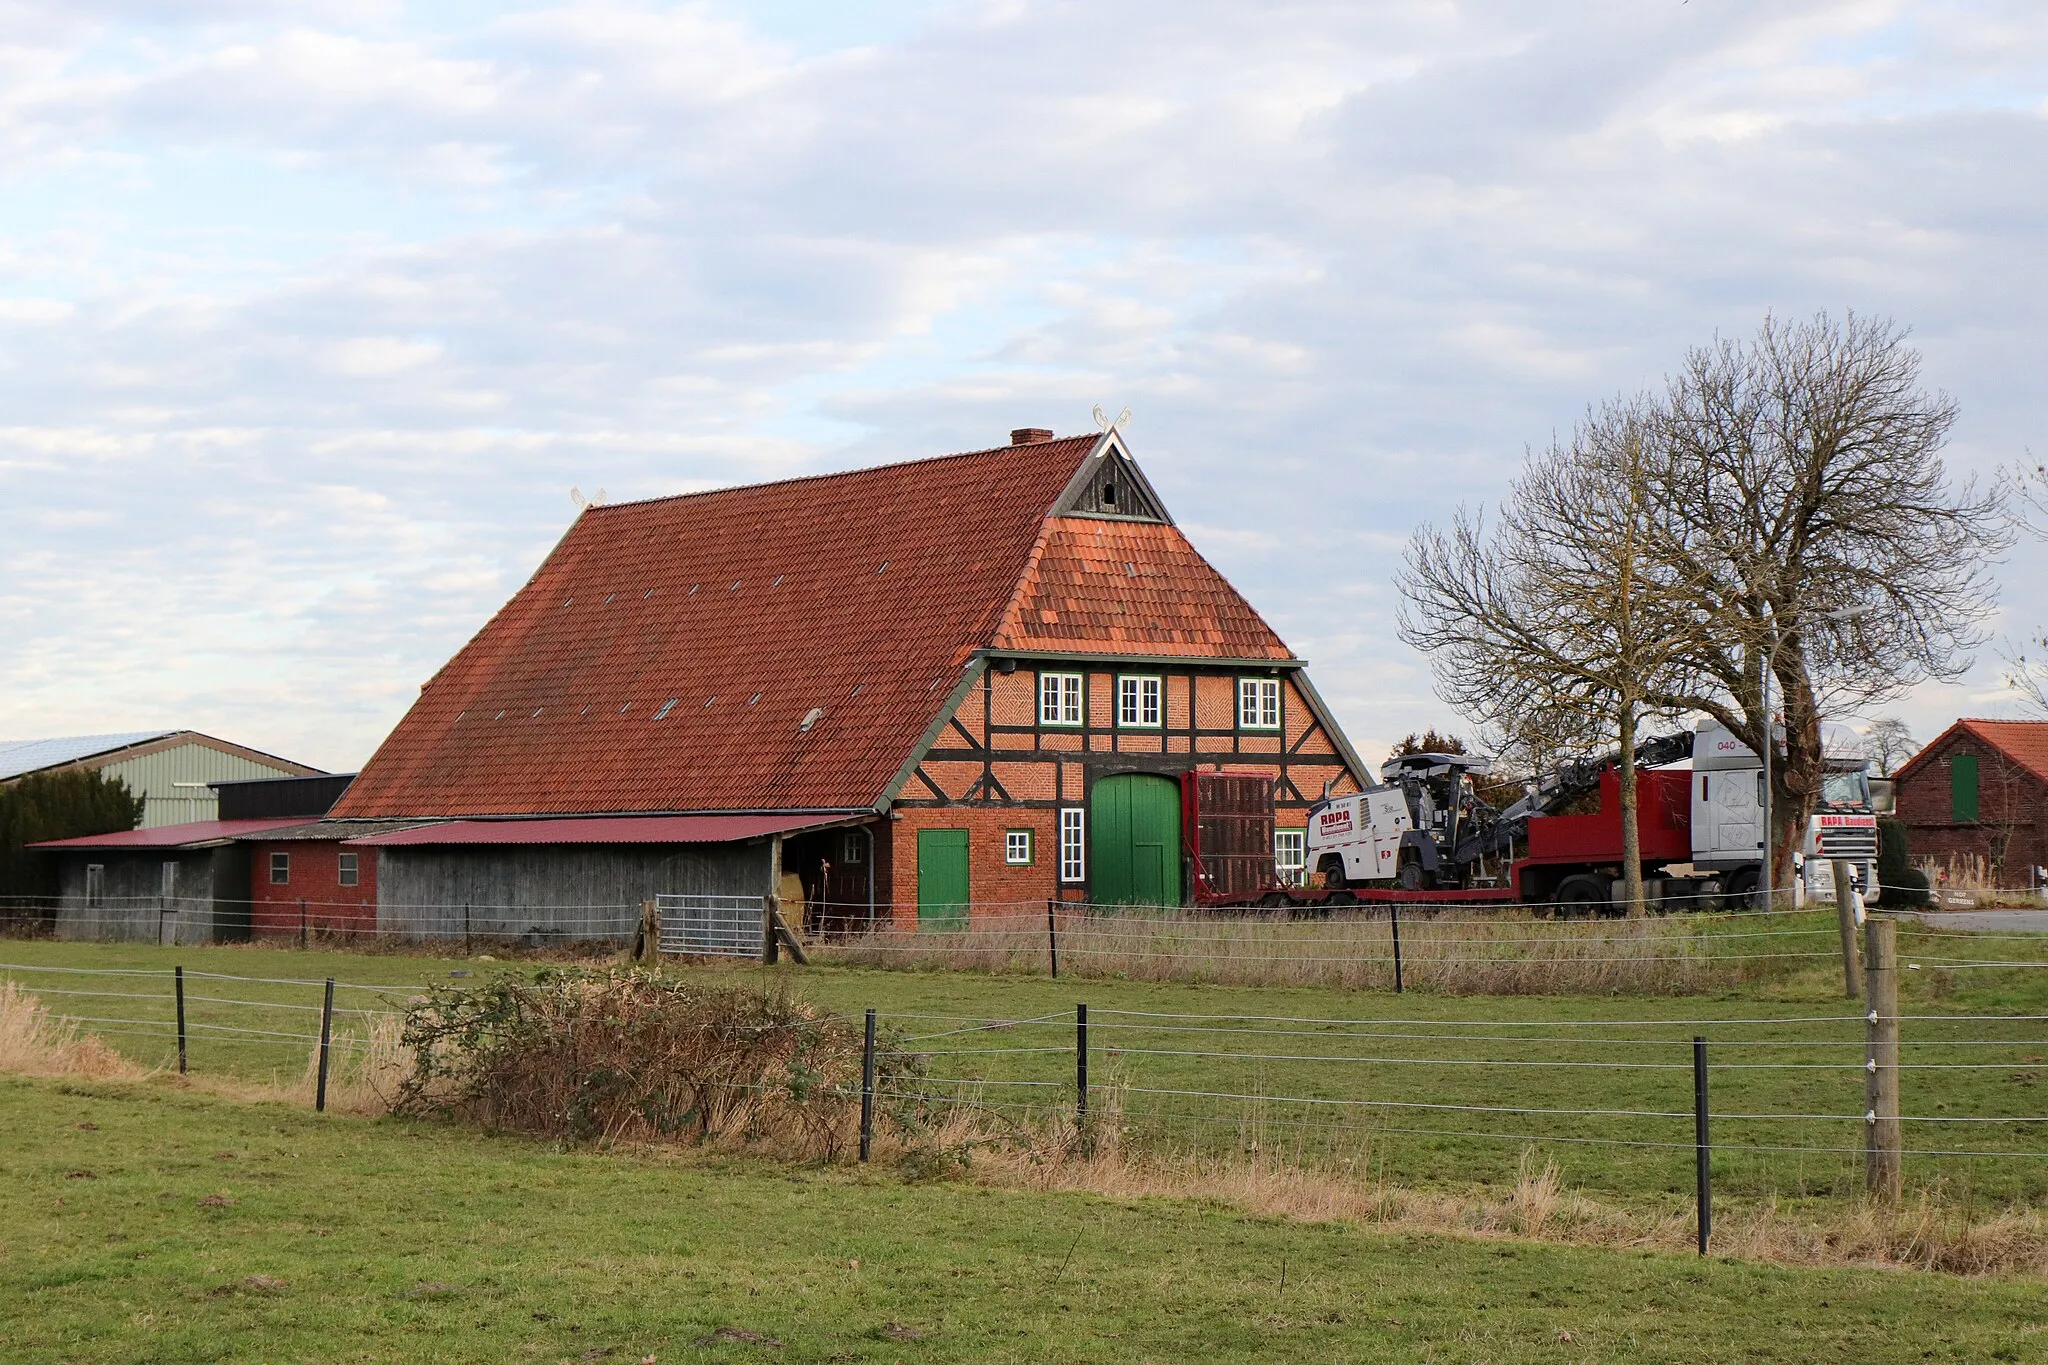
(1962, 786)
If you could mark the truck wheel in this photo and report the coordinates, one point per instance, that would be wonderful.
(1333, 873)
(1581, 895)
(1742, 887)
(1412, 877)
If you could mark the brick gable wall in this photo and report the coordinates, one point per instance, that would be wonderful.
(2008, 833)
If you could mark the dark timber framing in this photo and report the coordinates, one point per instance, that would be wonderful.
(1101, 750)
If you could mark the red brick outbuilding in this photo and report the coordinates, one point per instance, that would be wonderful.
(1976, 796)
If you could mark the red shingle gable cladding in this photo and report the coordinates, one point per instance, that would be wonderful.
(1129, 587)
(861, 594)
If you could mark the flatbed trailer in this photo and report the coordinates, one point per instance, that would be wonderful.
(1227, 826)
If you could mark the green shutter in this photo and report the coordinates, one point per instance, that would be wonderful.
(1134, 840)
(942, 879)
(1962, 786)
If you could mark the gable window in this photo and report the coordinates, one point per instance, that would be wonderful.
(1290, 855)
(1017, 847)
(1137, 703)
(1258, 703)
(1059, 699)
(347, 869)
(1073, 845)
(95, 884)
(280, 869)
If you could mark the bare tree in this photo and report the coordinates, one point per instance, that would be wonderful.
(1556, 615)
(1888, 743)
(1798, 478)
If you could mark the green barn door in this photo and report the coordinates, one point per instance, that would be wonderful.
(942, 879)
(1134, 838)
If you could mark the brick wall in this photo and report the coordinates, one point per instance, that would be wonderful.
(990, 880)
(2007, 833)
(315, 877)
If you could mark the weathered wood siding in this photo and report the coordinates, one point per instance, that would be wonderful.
(552, 891)
(212, 904)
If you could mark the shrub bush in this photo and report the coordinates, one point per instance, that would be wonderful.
(588, 1054)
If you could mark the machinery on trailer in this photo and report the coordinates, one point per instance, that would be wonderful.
(1426, 834)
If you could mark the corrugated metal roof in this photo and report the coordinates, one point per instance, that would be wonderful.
(19, 756)
(175, 836)
(613, 829)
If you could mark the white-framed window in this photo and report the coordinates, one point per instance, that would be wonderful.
(851, 848)
(1017, 847)
(1290, 855)
(347, 870)
(1137, 703)
(1059, 699)
(1258, 703)
(1073, 844)
(95, 884)
(280, 869)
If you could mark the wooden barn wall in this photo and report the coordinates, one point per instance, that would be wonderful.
(212, 903)
(552, 891)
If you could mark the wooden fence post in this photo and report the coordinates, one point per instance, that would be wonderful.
(1845, 917)
(771, 904)
(1883, 1173)
(867, 1089)
(326, 1037)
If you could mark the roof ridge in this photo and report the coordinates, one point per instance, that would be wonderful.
(838, 473)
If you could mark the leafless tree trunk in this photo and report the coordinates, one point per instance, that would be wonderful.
(1555, 616)
(1798, 479)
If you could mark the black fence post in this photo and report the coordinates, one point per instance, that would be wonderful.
(302, 924)
(178, 975)
(867, 1089)
(1081, 1074)
(1394, 912)
(1702, 1173)
(1052, 936)
(465, 929)
(326, 1034)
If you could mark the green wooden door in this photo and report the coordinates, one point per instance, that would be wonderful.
(1134, 840)
(1962, 787)
(942, 879)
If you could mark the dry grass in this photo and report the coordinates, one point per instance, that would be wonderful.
(33, 1044)
(1499, 953)
(1928, 1233)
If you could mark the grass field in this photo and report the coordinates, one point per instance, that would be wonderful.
(146, 1223)
(1365, 1058)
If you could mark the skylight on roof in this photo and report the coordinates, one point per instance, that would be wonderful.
(666, 707)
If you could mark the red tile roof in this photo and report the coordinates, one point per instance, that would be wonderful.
(1129, 587)
(665, 655)
(2025, 742)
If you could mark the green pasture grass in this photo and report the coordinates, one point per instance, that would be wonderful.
(150, 1224)
(1416, 1053)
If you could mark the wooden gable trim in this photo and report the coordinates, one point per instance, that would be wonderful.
(977, 666)
(1074, 499)
(1360, 774)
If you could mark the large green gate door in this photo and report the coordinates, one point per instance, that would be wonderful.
(1134, 840)
(942, 879)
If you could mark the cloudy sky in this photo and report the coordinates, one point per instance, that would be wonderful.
(312, 314)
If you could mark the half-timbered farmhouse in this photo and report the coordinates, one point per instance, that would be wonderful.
(970, 681)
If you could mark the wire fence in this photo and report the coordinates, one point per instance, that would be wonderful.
(1454, 1096)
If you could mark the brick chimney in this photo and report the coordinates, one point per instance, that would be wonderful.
(1029, 436)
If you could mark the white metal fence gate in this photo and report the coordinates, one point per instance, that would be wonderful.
(711, 926)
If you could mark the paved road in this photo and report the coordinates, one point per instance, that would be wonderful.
(1988, 921)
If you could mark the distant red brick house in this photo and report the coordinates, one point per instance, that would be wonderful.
(966, 680)
(1978, 792)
